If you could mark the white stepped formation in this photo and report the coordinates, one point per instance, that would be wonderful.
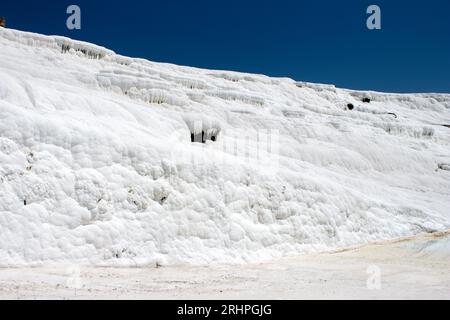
(97, 165)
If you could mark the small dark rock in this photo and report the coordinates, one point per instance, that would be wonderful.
(163, 199)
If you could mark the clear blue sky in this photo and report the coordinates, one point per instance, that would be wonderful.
(318, 41)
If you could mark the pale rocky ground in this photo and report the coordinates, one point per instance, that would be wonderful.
(410, 268)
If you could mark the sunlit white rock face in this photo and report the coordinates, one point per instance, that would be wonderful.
(97, 164)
